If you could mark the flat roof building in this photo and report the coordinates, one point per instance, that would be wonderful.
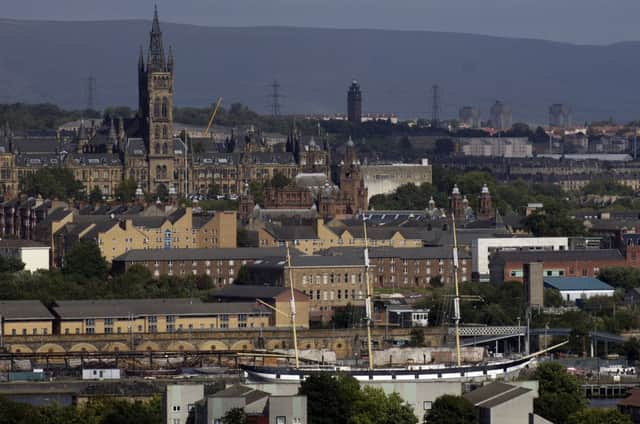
(578, 288)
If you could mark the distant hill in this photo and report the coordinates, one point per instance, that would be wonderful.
(51, 61)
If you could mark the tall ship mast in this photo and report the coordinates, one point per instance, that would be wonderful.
(489, 370)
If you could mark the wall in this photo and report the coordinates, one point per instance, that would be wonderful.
(27, 327)
(35, 258)
(178, 398)
(573, 295)
(483, 247)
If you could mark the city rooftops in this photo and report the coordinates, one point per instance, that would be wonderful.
(34, 310)
(124, 308)
(576, 284)
(239, 253)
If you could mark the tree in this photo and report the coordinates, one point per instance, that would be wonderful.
(280, 180)
(256, 189)
(85, 259)
(330, 399)
(552, 298)
(126, 190)
(162, 193)
(450, 409)
(552, 221)
(339, 399)
(599, 416)
(235, 416)
(560, 395)
(96, 195)
(52, 183)
(9, 264)
(624, 277)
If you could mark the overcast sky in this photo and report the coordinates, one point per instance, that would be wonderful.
(576, 21)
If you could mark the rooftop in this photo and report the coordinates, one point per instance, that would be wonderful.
(11, 243)
(203, 254)
(240, 291)
(24, 310)
(558, 255)
(576, 283)
(494, 394)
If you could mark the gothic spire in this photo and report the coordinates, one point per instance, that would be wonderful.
(156, 51)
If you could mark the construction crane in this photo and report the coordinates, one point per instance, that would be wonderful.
(213, 115)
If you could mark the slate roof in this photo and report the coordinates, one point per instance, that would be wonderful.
(576, 283)
(80, 309)
(241, 291)
(401, 252)
(203, 254)
(558, 255)
(14, 243)
(24, 310)
(494, 394)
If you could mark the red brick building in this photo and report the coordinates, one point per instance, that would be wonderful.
(508, 266)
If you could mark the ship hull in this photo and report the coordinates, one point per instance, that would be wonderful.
(492, 371)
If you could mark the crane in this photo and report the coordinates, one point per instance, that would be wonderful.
(213, 115)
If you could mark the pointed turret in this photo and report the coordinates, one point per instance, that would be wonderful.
(112, 132)
(170, 60)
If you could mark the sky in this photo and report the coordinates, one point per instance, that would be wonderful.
(574, 21)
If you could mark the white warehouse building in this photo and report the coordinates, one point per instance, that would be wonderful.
(34, 255)
(482, 248)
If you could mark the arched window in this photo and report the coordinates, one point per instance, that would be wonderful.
(164, 171)
(165, 106)
(164, 131)
(156, 148)
(157, 131)
(158, 171)
(156, 107)
(165, 149)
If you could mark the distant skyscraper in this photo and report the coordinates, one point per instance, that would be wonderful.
(560, 116)
(501, 117)
(354, 103)
(469, 117)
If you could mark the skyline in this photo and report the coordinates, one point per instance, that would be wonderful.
(543, 19)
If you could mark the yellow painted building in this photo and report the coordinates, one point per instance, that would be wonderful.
(156, 316)
(119, 234)
(25, 318)
(320, 236)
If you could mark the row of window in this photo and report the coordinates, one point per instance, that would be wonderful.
(330, 295)
(34, 332)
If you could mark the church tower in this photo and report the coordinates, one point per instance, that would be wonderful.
(352, 182)
(155, 88)
(486, 210)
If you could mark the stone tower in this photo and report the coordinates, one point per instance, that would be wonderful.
(354, 103)
(155, 88)
(486, 205)
(456, 203)
(351, 182)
